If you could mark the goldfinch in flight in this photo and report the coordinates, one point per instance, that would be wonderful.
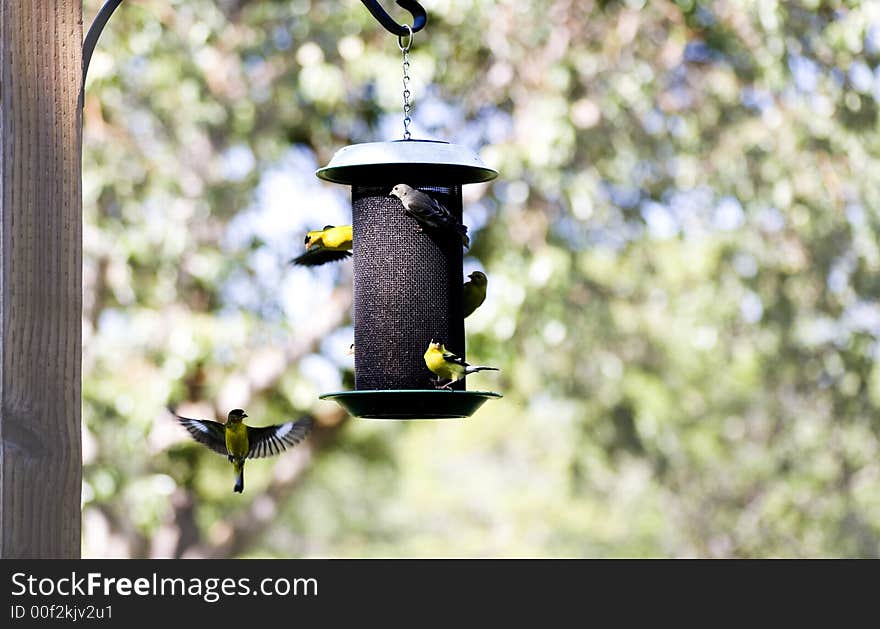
(428, 211)
(474, 292)
(447, 366)
(326, 245)
(238, 441)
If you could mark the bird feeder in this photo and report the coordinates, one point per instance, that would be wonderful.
(407, 282)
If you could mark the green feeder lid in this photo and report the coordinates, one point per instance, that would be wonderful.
(425, 161)
(411, 403)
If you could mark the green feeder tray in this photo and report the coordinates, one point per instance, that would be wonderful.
(411, 403)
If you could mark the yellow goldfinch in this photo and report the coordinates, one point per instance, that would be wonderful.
(428, 211)
(474, 292)
(447, 366)
(326, 245)
(238, 441)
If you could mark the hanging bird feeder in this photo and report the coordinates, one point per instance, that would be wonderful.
(407, 281)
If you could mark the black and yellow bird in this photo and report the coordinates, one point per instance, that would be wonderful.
(428, 211)
(326, 245)
(474, 292)
(447, 366)
(238, 441)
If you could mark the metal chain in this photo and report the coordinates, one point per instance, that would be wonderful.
(407, 107)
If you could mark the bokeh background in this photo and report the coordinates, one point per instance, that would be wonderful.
(682, 252)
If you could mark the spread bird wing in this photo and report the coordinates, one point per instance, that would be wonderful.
(206, 432)
(271, 440)
(318, 256)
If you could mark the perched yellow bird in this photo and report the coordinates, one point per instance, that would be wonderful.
(238, 441)
(447, 366)
(474, 292)
(326, 245)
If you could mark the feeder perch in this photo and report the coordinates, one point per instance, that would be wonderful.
(407, 283)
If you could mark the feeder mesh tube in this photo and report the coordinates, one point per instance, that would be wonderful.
(407, 289)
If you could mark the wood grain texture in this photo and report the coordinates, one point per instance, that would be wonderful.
(40, 278)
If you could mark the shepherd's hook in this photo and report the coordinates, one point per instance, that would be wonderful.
(420, 17)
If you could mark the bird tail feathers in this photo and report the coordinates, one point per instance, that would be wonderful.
(239, 478)
(475, 368)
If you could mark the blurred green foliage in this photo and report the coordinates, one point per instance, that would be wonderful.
(683, 275)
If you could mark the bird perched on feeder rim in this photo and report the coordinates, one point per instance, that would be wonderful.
(474, 292)
(238, 441)
(428, 211)
(326, 245)
(447, 366)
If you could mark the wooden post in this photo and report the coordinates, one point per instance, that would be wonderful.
(40, 278)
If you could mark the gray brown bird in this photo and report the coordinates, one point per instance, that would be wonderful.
(428, 211)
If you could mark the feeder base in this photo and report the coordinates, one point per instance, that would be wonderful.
(411, 403)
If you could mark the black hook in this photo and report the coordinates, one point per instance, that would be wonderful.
(420, 17)
(94, 33)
